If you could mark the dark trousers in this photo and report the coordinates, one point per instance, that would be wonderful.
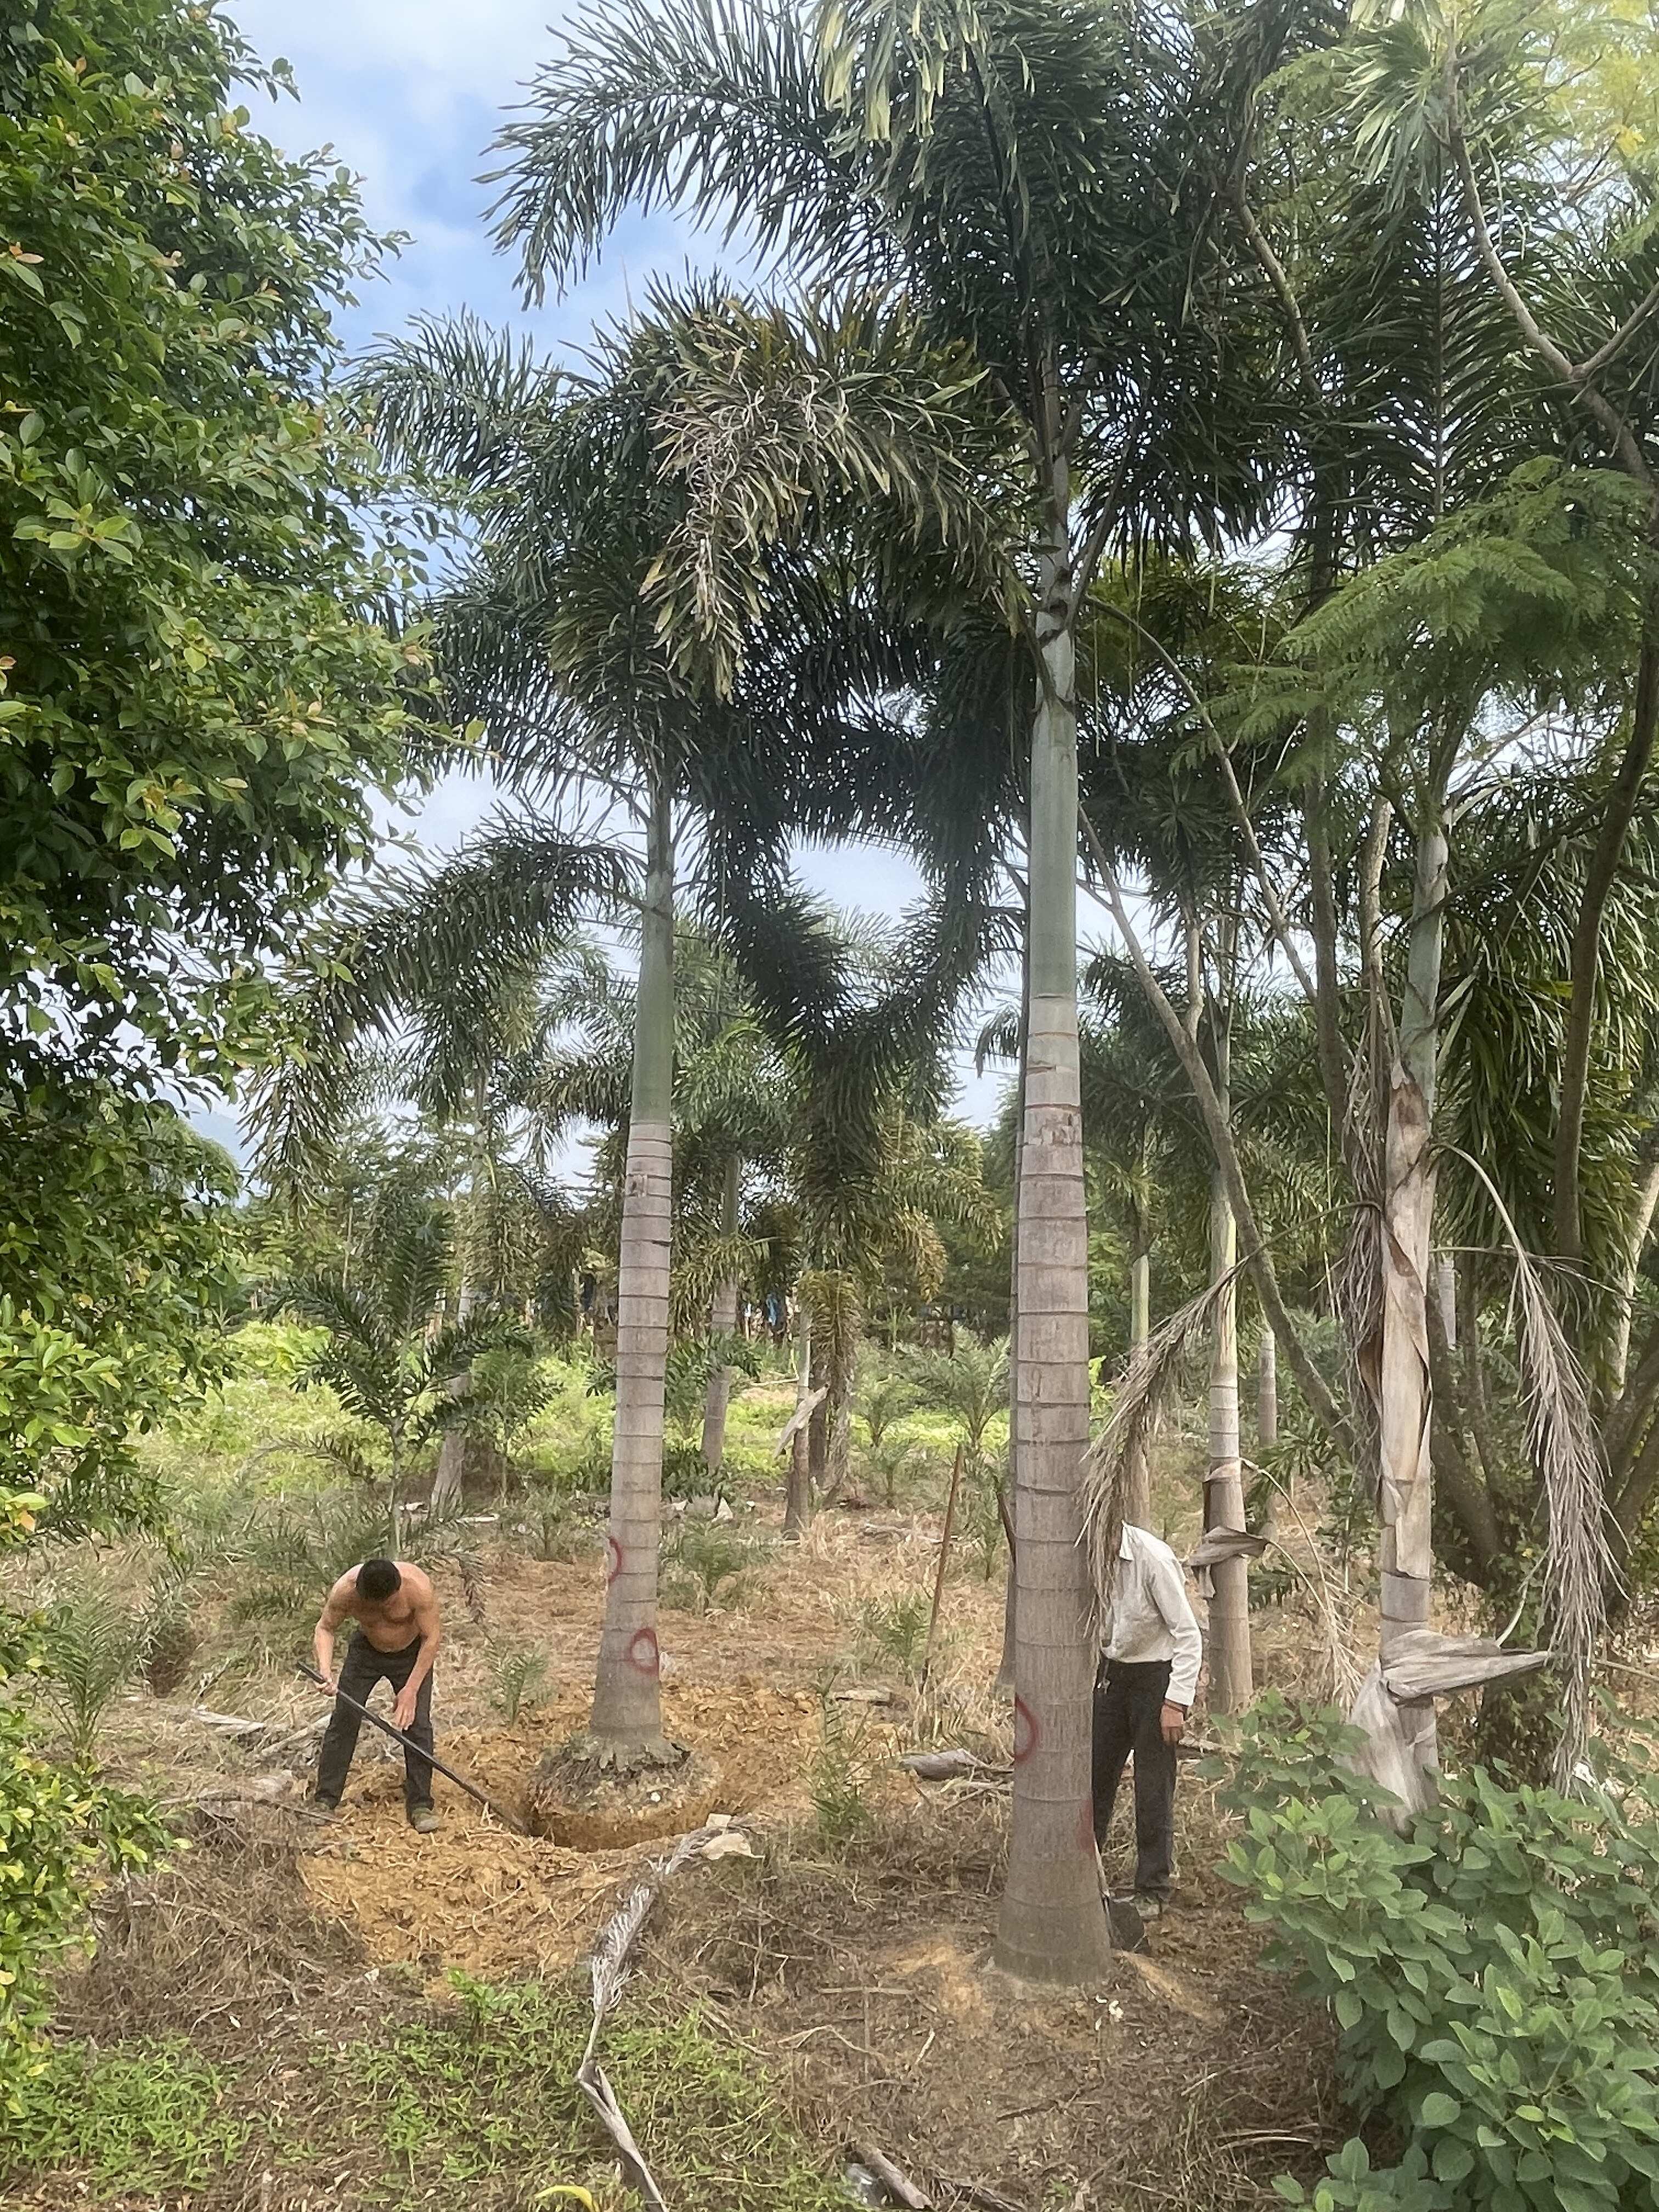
(1128, 1709)
(364, 1666)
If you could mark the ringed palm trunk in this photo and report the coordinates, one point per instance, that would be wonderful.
(628, 1689)
(723, 1318)
(1138, 1496)
(1005, 1680)
(1231, 1672)
(1053, 1924)
(1266, 1415)
(1407, 1401)
(450, 1480)
(797, 1495)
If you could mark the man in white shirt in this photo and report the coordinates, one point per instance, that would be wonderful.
(1148, 1674)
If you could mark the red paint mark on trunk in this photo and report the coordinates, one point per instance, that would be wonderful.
(1086, 1828)
(1027, 1734)
(613, 1560)
(643, 1654)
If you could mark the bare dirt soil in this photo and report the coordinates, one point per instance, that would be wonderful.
(852, 1964)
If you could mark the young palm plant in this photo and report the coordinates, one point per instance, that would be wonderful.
(386, 1355)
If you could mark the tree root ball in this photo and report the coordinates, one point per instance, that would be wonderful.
(590, 1796)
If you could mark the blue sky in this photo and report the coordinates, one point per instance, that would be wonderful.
(408, 94)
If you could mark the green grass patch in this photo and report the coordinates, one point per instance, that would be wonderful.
(142, 2116)
(472, 2103)
(461, 2098)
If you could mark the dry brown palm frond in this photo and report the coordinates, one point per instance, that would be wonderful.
(1579, 1570)
(1142, 1393)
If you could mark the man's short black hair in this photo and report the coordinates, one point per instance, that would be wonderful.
(376, 1579)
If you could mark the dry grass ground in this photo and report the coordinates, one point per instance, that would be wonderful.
(840, 1975)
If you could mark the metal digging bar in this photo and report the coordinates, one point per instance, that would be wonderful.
(507, 1819)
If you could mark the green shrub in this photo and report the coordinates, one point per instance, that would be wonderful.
(58, 1831)
(1491, 1973)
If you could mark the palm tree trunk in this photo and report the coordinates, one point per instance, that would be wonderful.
(1231, 1672)
(449, 1481)
(798, 1496)
(1005, 1680)
(1138, 1494)
(628, 1689)
(723, 1319)
(1407, 1400)
(1267, 1416)
(842, 1375)
(1053, 1924)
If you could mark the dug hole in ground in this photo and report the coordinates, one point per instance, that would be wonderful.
(291, 2017)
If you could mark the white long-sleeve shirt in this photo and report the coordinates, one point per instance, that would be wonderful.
(1150, 1619)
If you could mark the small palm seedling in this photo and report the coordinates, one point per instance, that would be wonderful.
(840, 1773)
(707, 1563)
(516, 1672)
(896, 1627)
(893, 1460)
(970, 1385)
(93, 1647)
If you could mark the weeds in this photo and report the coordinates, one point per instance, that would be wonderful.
(458, 2100)
(150, 2117)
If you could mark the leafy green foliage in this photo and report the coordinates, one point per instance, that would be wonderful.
(116, 1260)
(895, 1627)
(1491, 1971)
(969, 1383)
(840, 1771)
(201, 696)
(59, 1830)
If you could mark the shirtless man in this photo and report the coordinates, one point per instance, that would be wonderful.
(396, 1610)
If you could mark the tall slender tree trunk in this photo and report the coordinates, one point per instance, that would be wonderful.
(723, 1319)
(1267, 1416)
(450, 1480)
(1053, 1923)
(1138, 1496)
(840, 1375)
(628, 1689)
(1232, 1681)
(797, 1495)
(1406, 1405)
(1005, 1680)
(1231, 1674)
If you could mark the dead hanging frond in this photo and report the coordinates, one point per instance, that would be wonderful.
(1151, 1374)
(1579, 1570)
